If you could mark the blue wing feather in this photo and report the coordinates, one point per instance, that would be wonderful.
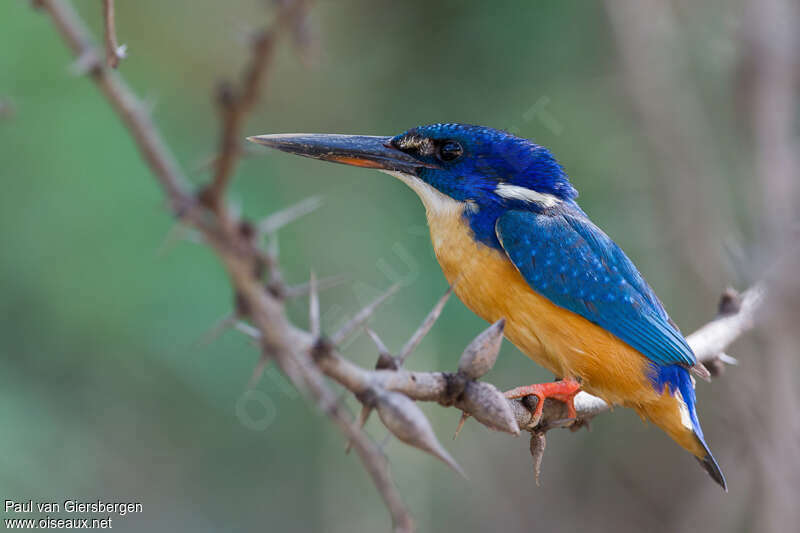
(570, 261)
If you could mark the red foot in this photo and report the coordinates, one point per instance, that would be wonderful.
(563, 391)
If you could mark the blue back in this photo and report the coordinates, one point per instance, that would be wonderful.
(566, 258)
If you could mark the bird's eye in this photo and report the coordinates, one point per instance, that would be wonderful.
(449, 151)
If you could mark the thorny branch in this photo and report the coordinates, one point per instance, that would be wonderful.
(306, 357)
(114, 52)
(243, 261)
(736, 316)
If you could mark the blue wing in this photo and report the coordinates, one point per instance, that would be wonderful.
(571, 262)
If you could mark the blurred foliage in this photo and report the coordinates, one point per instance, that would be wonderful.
(107, 391)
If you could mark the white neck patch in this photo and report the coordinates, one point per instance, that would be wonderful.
(515, 192)
(435, 202)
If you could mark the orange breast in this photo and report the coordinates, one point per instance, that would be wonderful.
(563, 342)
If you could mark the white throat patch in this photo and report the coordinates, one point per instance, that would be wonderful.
(515, 192)
(435, 202)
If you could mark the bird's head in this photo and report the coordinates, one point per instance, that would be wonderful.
(481, 167)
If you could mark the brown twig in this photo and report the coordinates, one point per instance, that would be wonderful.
(236, 103)
(114, 52)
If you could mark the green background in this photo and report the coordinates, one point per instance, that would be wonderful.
(107, 389)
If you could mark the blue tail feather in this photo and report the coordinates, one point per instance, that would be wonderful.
(677, 379)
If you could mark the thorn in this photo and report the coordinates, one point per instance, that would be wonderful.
(323, 284)
(313, 306)
(538, 444)
(425, 327)
(362, 421)
(258, 371)
(460, 426)
(362, 316)
(385, 442)
(178, 232)
(219, 327)
(281, 218)
(383, 351)
(247, 329)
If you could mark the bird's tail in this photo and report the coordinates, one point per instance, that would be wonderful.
(675, 413)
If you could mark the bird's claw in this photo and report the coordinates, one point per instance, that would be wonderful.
(563, 391)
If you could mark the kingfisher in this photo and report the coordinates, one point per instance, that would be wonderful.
(513, 243)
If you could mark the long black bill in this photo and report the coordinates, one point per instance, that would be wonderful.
(357, 150)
